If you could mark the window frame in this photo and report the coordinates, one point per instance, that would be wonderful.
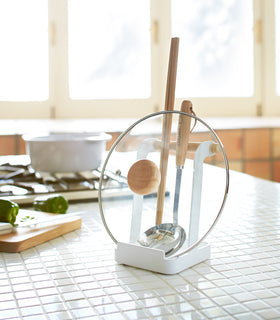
(59, 105)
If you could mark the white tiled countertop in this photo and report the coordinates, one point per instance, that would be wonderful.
(75, 276)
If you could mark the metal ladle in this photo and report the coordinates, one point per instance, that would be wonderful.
(170, 237)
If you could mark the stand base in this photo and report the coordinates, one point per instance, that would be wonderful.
(155, 260)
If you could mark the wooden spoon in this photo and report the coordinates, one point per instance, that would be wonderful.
(167, 121)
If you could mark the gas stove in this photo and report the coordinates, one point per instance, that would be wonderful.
(19, 182)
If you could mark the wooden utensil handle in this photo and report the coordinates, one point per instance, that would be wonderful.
(167, 121)
(171, 75)
(183, 134)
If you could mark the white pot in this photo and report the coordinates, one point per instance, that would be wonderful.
(66, 152)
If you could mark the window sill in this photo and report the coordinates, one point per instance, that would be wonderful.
(21, 126)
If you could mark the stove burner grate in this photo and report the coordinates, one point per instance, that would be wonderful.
(18, 180)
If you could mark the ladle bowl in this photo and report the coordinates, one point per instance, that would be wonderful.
(166, 236)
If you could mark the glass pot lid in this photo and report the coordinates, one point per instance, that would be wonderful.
(194, 191)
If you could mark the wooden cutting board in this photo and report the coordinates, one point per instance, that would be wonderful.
(24, 238)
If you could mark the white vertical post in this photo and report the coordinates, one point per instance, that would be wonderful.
(203, 151)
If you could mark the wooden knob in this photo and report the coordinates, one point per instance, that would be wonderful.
(143, 177)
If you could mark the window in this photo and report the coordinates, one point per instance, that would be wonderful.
(216, 52)
(24, 53)
(90, 58)
(112, 58)
(277, 43)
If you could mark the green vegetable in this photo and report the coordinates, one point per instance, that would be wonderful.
(8, 211)
(51, 203)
